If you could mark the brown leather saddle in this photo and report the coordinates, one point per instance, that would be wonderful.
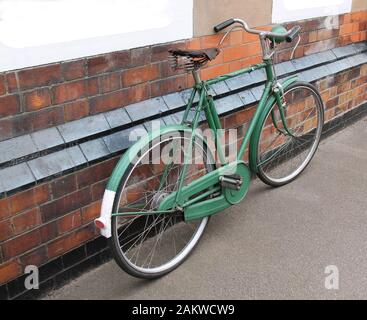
(192, 59)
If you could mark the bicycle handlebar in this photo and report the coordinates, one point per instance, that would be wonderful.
(223, 25)
(294, 32)
(289, 36)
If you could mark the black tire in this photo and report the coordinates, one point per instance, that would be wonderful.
(275, 159)
(115, 244)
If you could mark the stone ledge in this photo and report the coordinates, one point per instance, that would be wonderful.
(32, 158)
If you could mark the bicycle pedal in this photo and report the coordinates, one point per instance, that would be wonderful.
(233, 181)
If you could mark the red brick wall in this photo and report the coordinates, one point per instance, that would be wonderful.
(40, 97)
(44, 222)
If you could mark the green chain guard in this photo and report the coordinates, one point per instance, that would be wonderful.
(235, 196)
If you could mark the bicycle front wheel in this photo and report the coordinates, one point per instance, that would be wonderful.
(147, 244)
(285, 147)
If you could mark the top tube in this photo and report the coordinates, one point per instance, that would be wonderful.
(236, 73)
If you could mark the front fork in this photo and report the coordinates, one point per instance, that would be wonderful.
(282, 105)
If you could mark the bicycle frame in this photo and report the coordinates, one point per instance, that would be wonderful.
(207, 105)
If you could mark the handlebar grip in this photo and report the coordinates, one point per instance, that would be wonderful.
(294, 33)
(223, 25)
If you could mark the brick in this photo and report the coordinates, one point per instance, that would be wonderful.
(140, 56)
(69, 91)
(212, 41)
(49, 231)
(66, 204)
(236, 37)
(9, 105)
(36, 257)
(26, 221)
(29, 198)
(91, 212)
(249, 37)
(39, 76)
(332, 103)
(11, 82)
(160, 52)
(43, 119)
(139, 75)
(346, 18)
(110, 82)
(312, 36)
(109, 101)
(63, 186)
(172, 84)
(324, 34)
(346, 29)
(92, 87)
(193, 44)
(235, 65)
(165, 70)
(108, 62)
(95, 173)
(62, 245)
(76, 110)
(251, 60)
(247, 50)
(20, 244)
(4, 208)
(9, 271)
(215, 71)
(344, 40)
(357, 16)
(2, 85)
(69, 222)
(139, 93)
(73, 69)
(98, 190)
(6, 230)
(37, 99)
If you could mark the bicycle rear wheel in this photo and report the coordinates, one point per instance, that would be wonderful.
(151, 245)
(283, 154)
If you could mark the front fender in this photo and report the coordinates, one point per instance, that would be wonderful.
(257, 131)
(104, 220)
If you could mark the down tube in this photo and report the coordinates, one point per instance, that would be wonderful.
(254, 120)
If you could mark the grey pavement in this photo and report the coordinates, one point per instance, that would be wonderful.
(276, 244)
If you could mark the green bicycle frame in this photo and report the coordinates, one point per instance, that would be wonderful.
(206, 104)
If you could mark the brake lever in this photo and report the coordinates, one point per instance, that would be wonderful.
(227, 33)
(295, 48)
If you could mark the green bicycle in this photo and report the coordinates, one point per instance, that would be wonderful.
(166, 186)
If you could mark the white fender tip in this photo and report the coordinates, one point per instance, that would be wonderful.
(103, 223)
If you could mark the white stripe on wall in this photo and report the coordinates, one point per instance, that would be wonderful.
(293, 10)
(34, 32)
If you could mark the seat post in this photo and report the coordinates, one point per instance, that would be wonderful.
(196, 75)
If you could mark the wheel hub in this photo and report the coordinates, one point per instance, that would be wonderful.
(158, 198)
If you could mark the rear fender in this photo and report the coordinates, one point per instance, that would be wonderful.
(104, 220)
